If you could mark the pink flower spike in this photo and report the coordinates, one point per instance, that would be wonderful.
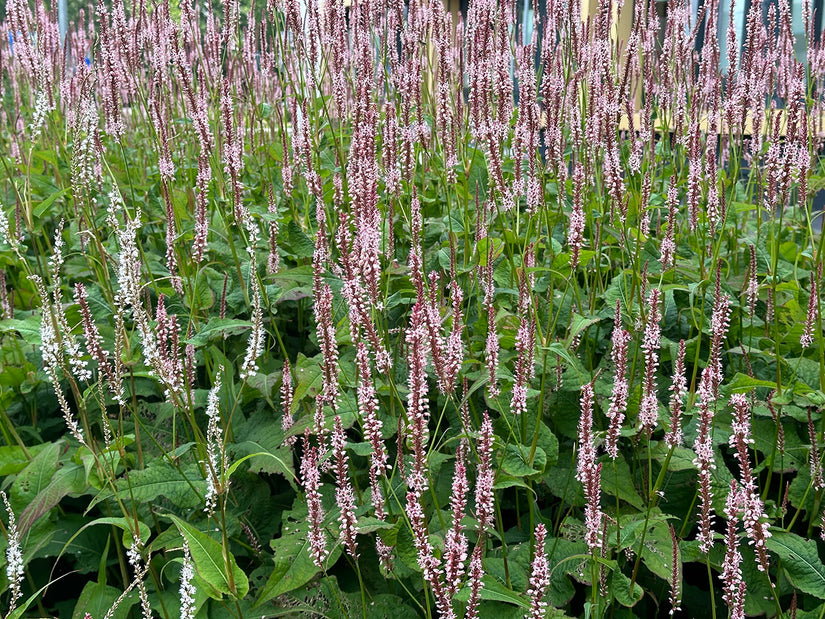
(344, 494)
(311, 481)
(649, 408)
(539, 575)
(588, 472)
(618, 398)
(678, 390)
(484, 497)
(807, 338)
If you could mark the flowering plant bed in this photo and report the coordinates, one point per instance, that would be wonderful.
(369, 310)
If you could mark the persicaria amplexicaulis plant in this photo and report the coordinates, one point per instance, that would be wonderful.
(415, 309)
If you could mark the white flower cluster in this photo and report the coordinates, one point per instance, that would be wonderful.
(5, 231)
(42, 107)
(14, 556)
(187, 589)
(256, 339)
(214, 445)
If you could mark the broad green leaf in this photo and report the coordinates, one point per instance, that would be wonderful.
(801, 561)
(618, 482)
(293, 563)
(514, 462)
(308, 376)
(680, 460)
(41, 208)
(742, 383)
(262, 437)
(297, 277)
(13, 459)
(388, 605)
(24, 606)
(657, 554)
(549, 443)
(620, 587)
(213, 563)
(264, 384)
(28, 328)
(217, 327)
(35, 477)
(202, 298)
(758, 598)
(579, 324)
(405, 547)
(97, 598)
(495, 591)
(517, 573)
(506, 481)
(71, 479)
(559, 552)
(158, 479)
(483, 248)
(815, 613)
(298, 241)
(368, 524)
(280, 464)
(122, 523)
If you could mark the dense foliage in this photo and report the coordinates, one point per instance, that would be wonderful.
(378, 310)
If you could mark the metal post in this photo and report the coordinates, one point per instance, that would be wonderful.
(62, 18)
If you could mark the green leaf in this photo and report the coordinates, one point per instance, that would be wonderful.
(13, 459)
(657, 553)
(264, 384)
(483, 248)
(742, 383)
(293, 563)
(213, 563)
(621, 485)
(70, 479)
(35, 477)
(495, 591)
(217, 327)
(308, 375)
(28, 328)
(405, 547)
(368, 524)
(203, 297)
(281, 466)
(506, 481)
(680, 460)
(262, 437)
(514, 462)
(298, 241)
(549, 443)
(22, 608)
(561, 555)
(123, 524)
(622, 591)
(41, 208)
(158, 479)
(97, 598)
(801, 561)
(557, 348)
(579, 324)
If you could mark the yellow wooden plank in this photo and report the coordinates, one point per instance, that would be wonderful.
(661, 126)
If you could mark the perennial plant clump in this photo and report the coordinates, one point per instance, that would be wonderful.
(414, 308)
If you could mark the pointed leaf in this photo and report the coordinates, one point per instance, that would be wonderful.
(217, 327)
(69, 479)
(29, 328)
(801, 561)
(293, 564)
(221, 574)
(158, 479)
